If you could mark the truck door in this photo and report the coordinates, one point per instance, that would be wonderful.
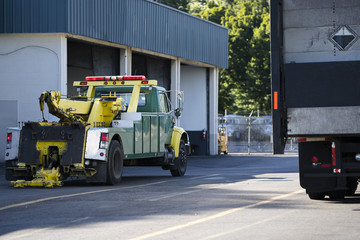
(165, 121)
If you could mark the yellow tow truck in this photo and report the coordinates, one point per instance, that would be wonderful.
(118, 121)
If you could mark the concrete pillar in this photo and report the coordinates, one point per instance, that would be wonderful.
(62, 50)
(175, 84)
(213, 108)
(125, 61)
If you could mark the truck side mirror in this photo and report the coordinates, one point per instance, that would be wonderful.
(180, 104)
(177, 112)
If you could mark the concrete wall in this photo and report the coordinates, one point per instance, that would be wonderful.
(29, 64)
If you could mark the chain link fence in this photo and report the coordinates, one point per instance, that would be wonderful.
(250, 134)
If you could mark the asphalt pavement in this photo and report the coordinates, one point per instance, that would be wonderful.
(220, 197)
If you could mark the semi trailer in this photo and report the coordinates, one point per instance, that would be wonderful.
(315, 58)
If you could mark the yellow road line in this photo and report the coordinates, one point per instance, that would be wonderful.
(212, 217)
(246, 226)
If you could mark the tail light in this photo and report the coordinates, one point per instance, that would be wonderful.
(104, 139)
(203, 134)
(8, 140)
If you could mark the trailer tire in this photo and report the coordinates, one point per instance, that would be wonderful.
(337, 194)
(352, 186)
(180, 162)
(115, 163)
(316, 196)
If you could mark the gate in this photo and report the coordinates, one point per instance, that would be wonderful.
(250, 134)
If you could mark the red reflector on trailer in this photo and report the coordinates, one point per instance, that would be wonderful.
(144, 82)
(83, 83)
(320, 139)
(315, 159)
(333, 156)
(326, 165)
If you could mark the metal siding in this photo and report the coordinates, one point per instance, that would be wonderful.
(137, 23)
(2, 16)
(35, 16)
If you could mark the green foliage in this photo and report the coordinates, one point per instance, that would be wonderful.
(245, 85)
(178, 4)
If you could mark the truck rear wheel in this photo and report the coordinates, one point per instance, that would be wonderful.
(115, 163)
(180, 162)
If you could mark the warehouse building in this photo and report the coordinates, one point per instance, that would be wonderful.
(46, 45)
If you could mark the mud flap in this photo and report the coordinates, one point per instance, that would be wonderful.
(100, 175)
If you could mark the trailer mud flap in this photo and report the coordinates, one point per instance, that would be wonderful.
(315, 168)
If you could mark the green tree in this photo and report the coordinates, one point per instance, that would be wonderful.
(245, 85)
(211, 10)
(178, 4)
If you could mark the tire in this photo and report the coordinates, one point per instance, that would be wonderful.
(180, 162)
(337, 194)
(317, 196)
(352, 185)
(115, 163)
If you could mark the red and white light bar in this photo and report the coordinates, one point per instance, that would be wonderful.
(115, 78)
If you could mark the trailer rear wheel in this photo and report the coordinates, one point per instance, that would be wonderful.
(352, 186)
(337, 194)
(115, 163)
(180, 162)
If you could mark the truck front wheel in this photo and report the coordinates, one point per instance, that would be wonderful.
(180, 162)
(115, 163)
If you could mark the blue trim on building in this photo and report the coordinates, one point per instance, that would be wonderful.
(136, 23)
